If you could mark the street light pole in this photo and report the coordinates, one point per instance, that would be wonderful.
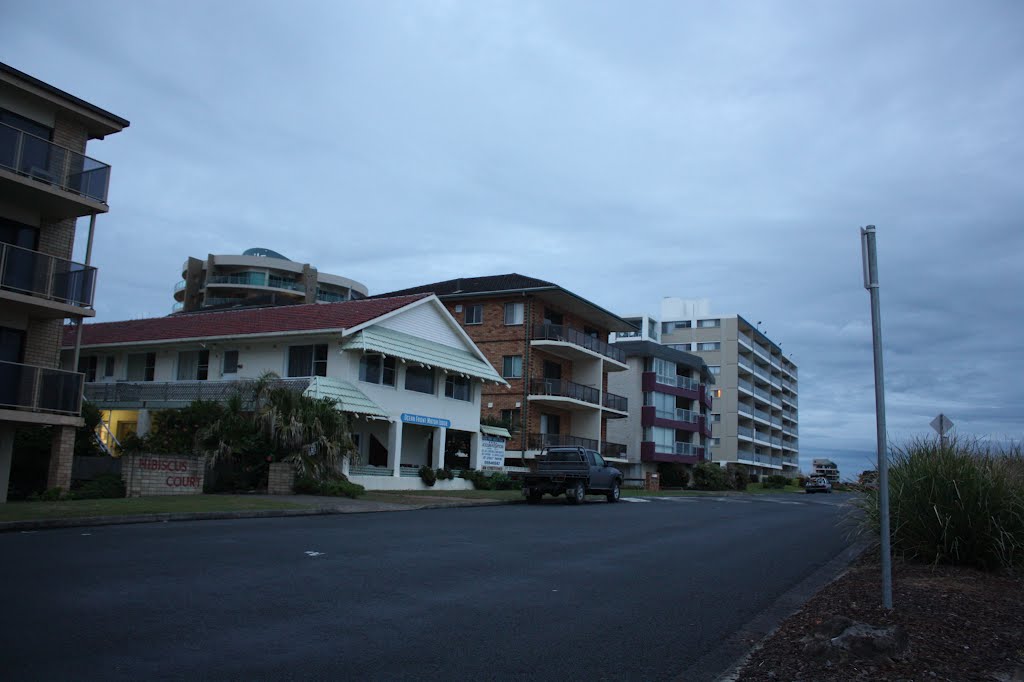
(870, 258)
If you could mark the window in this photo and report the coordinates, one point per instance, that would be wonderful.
(708, 323)
(679, 346)
(455, 387)
(108, 366)
(377, 369)
(513, 313)
(716, 441)
(87, 366)
(665, 371)
(193, 365)
(474, 314)
(715, 369)
(141, 366)
(307, 361)
(512, 367)
(419, 379)
(664, 405)
(512, 419)
(709, 346)
(668, 327)
(598, 459)
(716, 417)
(230, 362)
(664, 439)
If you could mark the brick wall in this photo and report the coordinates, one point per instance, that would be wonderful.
(69, 132)
(57, 237)
(281, 478)
(62, 457)
(42, 342)
(146, 475)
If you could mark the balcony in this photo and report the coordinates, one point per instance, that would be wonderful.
(573, 344)
(613, 450)
(679, 453)
(677, 380)
(61, 182)
(564, 394)
(40, 389)
(616, 402)
(129, 395)
(54, 287)
(539, 441)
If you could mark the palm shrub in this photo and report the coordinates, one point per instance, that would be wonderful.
(961, 504)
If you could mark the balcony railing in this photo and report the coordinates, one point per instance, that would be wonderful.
(687, 449)
(745, 431)
(746, 385)
(256, 279)
(677, 380)
(179, 286)
(616, 402)
(38, 274)
(617, 450)
(288, 284)
(559, 332)
(689, 416)
(44, 161)
(138, 392)
(745, 340)
(763, 415)
(564, 388)
(539, 441)
(40, 389)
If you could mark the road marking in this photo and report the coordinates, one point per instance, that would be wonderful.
(632, 499)
(677, 499)
(310, 552)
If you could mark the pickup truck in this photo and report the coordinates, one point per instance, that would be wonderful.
(574, 472)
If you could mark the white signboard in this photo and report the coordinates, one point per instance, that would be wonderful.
(492, 452)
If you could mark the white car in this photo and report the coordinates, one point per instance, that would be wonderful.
(817, 485)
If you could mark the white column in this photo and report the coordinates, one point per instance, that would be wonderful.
(440, 433)
(345, 462)
(474, 450)
(395, 448)
(6, 454)
(144, 423)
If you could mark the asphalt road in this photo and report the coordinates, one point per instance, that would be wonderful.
(639, 591)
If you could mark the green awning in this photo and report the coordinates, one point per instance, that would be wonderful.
(348, 397)
(495, 431)
(423, 352)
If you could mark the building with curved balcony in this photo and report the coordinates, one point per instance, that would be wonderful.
(257, 277)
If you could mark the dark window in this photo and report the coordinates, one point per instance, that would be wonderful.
(230, 362)
(591, 332)
(194, 365)
(27, 153)
(141, 367)
(458, 388)
(307, 361)
(552, 317)
(108, 366)
(474, 314)
(419, 379)
(377, 369)
(87, 366)
(512, 366)
(512, 418)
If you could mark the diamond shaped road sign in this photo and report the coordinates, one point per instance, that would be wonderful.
(942, 424)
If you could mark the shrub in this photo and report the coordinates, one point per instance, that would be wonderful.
(305, 485)
(775, 481)
(960, 504)
(444, 474)
(428, 475)
(709, 476)
(673, 475)
(495, 481)
(736, 478)
(341, 487)
(103, 486)
(49, 495)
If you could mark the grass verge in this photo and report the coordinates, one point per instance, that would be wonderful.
(68, 509)
(396, 495)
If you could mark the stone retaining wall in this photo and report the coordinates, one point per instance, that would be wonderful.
(281, 478)
(146, 475)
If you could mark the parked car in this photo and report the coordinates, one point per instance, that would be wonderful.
(818, 485)
(574, 472)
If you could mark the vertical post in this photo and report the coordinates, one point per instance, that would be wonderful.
(870, 258)
(395, 448)
(440, 436)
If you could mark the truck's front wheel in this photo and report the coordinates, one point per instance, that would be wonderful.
(575, 494)
(615, 492)
(533, 497)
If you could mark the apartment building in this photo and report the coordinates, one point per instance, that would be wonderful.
(756, 413)
(550, 346)
(673, 390)
(46, 184)
(257, 277)
(826, 468)
(402, 368)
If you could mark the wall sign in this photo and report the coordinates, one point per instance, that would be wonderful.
(492, 452)
(425, 421)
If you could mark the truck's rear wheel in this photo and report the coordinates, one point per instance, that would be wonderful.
(615, 492)
(575, 494)
(533, 497)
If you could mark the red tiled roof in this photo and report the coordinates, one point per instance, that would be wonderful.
(228, 323)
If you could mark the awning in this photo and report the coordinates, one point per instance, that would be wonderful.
(410, 348)
(495, 431)
(348, 397)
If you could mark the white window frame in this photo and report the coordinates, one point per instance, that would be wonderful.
(518, 309)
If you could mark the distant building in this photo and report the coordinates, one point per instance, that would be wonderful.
(755, 412)
(826, 468)
(257, 277)
(46, 184)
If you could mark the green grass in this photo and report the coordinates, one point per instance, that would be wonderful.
(396, 495)
(28, 511)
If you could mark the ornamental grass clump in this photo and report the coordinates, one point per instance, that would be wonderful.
(962, 504)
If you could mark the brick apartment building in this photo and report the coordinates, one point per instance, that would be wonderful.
(46, 184)
(550, 345)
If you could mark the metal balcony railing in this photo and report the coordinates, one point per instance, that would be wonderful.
(256, 279)
(539, 441)
(560, 332)
(613, 450)
(38, 274)
(52, 164)
(687, 449)
(40, 389)
(565, 389)
(288, 284)
(745, 431)
(616, 402)
(179, 286)
(139, 392)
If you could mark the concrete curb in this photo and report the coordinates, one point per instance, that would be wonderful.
(85, 521)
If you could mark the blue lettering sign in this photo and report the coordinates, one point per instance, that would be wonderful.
(426, 421)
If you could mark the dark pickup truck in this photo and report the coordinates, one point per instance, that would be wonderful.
(574, 472)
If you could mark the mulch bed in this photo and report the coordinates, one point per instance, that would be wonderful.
(962, 625)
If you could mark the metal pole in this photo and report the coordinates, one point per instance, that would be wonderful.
(867, 236)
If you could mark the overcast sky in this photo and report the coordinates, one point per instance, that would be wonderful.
(626, 151)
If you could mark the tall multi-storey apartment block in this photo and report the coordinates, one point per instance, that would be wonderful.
(671, 394)
(755, 418)
(46, 184)
(550, 345)
(257, 277)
